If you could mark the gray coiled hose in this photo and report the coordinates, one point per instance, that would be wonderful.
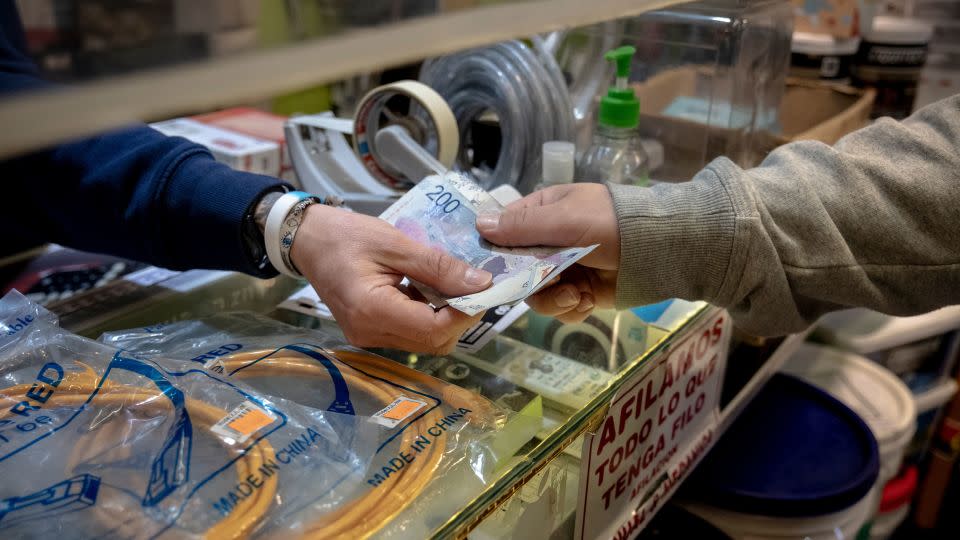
(523, 87)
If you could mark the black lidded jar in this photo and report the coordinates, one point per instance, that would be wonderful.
(891, 56)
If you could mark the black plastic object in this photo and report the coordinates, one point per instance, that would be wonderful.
(795, 451)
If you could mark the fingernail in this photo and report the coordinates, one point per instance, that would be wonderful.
(566, 298)
(477, 277)
(488, 221)
(585, 305)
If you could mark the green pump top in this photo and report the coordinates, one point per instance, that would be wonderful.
(620, 107)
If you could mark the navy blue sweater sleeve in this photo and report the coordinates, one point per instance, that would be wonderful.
(133, 192)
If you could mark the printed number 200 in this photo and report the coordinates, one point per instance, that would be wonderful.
(444, 199)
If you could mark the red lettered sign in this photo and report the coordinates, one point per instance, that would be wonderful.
(659, 425)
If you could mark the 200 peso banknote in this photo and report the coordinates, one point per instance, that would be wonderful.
(441, 212)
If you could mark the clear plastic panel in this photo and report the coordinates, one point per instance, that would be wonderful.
(709, 76)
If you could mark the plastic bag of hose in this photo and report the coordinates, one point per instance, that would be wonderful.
(95, 443)
(434, 452)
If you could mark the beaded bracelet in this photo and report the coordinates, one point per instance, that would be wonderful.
(288, 231)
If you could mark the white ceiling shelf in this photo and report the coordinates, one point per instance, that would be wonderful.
(40, 119)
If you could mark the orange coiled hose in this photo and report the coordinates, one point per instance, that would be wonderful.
(76, 388)
(378, 506)
(359, 518)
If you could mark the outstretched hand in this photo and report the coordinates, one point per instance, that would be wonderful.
(565, 216)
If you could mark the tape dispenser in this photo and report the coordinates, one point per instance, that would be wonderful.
(401, 133)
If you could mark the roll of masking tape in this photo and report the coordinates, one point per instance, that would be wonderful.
(417, 108)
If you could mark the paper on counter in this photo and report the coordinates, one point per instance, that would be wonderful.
(494, 321)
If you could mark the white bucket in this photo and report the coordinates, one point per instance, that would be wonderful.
(884, 524)
(894, 504)
(873, 392)
(845, 524)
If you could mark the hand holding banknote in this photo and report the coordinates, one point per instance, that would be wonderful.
(356, 264)
(441, 212)
(577, 214)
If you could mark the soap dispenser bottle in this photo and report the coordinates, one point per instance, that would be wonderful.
(616, 153)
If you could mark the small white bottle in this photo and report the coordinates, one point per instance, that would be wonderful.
(558, 164)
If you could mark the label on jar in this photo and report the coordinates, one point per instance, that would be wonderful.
(825, 67)
(889, 55)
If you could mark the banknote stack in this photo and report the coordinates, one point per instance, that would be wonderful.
(441, 212)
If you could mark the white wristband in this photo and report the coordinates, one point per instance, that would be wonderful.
(271, 233)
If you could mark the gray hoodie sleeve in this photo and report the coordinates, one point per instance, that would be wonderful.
(873, 221)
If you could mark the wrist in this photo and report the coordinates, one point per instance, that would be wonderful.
(262, 209)
(254, 223)
(312, 239)
(282, 225)
(676, 241)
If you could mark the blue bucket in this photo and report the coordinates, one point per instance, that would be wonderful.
(796, 463)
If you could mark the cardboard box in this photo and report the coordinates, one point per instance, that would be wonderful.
(242, 152)
(252, 122)
(812, 110)
(691, 138)
(838, 18)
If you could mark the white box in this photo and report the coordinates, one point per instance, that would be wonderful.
(239, 151)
